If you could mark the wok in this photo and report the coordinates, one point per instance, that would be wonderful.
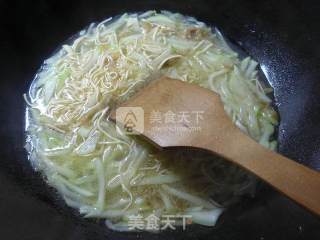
(283, 36)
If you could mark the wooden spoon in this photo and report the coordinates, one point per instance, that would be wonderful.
(203, 123)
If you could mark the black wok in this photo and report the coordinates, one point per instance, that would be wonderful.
(283, 36)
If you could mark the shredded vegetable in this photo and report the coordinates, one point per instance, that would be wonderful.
(107, 174)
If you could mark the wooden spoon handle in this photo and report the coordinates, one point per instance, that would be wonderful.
(298, 182)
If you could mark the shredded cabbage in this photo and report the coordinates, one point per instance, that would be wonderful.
(105, 173)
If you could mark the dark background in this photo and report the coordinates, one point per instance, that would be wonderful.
(283, 36)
